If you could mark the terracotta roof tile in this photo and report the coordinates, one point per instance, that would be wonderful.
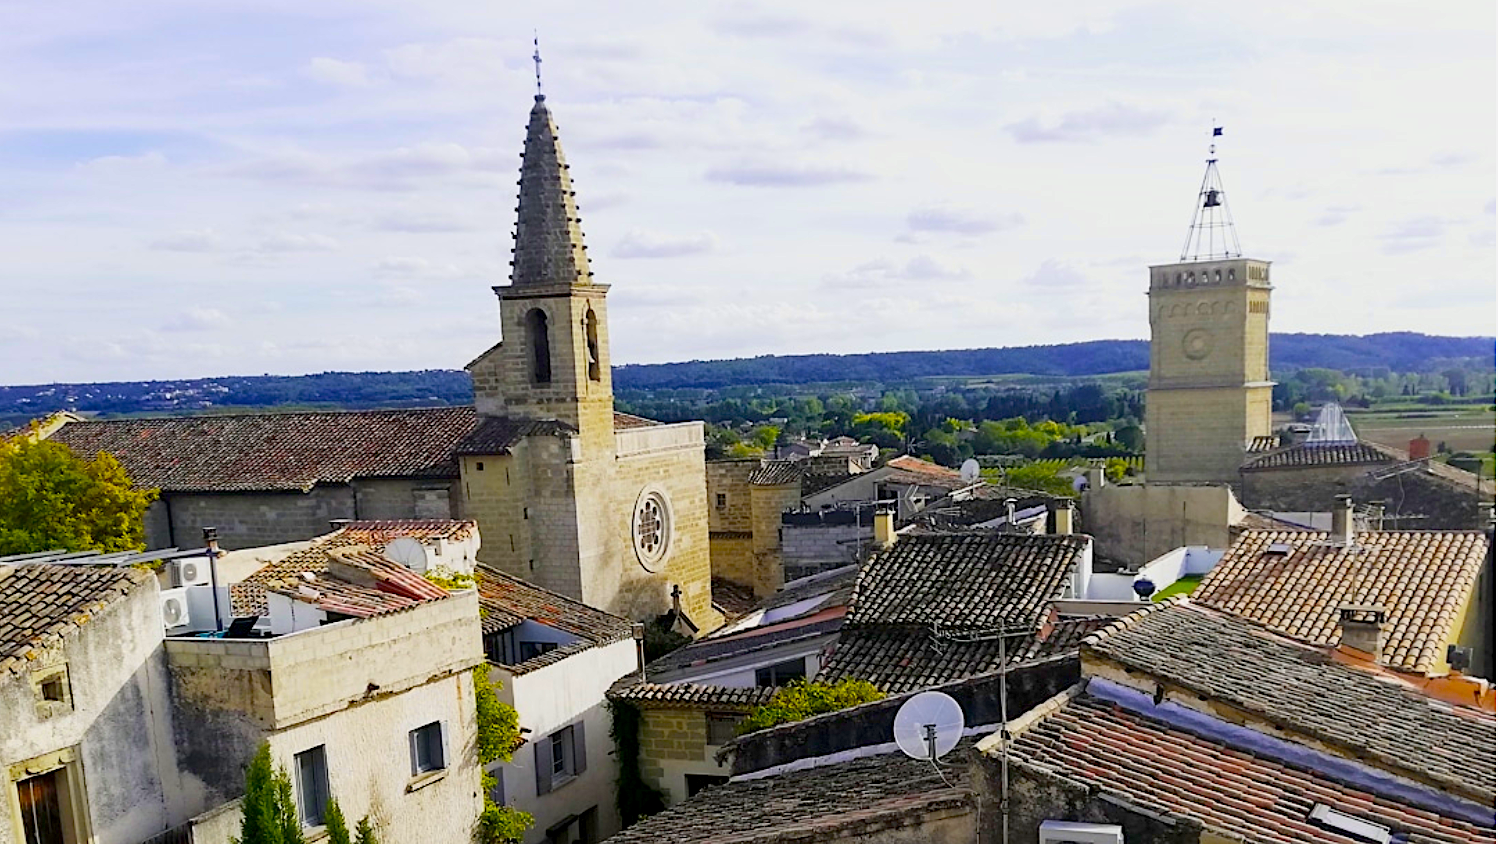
(277, 451)
(1231, 791)
(691, 695)
(499, 434)
(507, 601)
(361, 583)
(1318, 454)
(42, 604)
(777, 472)
(1239, 663)
(625, 421)
(1420, 578)
(377, 533)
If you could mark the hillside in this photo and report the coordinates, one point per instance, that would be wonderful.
(1399, 352)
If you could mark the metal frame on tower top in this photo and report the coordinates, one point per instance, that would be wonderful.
(1212, 235)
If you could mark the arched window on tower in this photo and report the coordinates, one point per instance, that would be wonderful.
(590, 325)
(538, 338)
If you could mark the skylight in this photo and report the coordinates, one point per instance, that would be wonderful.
(1349, 825)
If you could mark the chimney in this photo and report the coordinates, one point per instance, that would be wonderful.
(1376, 515)
(1420, 448)
(884, 528)
(1362, 629)
(1095, 479)
(1009, 511)
(210, 540)
(1061, 517)
(1342, 530)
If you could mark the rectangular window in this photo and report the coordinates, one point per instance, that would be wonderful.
(312, 785)
(722, 500)
(531, 650)
(497, 784)
(560, 757)
(781, 673)
(427, 752)
(41, 808)
(722, 727)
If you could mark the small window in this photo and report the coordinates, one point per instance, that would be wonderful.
(780, 674)
(560, 757)
(479, 464)
(722, 727)
(697, 782)
(427, 752)
(722, 500)
(531, 650)
(312, 785)
(497, 783)
(49, 688)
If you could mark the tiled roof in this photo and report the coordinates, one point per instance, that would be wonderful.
(623, 421)
(362, 583)
(277, 451)
(1236, 662)
(507, 601)
(1234, 792)
(965, 581)
(732, 598)
(690, 695)
(986, 506)
(924, 611)
(902, 659)
(1259, 445)
(776, 472)
(716, 648)
(1310, 454)
(41, 604)
(378, 533)
(907, 463)
(817, 804)
(1420, 578)
(499, 434)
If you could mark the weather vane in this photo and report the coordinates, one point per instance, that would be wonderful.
(536, 57)
(1211, 147)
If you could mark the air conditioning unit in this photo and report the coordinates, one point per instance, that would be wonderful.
(192, 571)
(1072, 832)
(175, 615)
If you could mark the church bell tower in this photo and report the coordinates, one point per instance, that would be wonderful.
(1209, 389)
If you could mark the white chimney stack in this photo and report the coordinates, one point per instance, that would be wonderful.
(1342, 528)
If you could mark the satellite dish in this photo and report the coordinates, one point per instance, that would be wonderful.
(928, 726)
(971, 471)
(408, 552)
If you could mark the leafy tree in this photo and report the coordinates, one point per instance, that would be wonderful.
(269, 807)
(800, 700)
(1130, 437)
(49, 498)
(498, 735)
(1042, 475)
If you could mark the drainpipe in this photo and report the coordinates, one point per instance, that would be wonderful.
(210, 542)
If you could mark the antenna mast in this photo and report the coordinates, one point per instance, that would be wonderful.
(1212, 235)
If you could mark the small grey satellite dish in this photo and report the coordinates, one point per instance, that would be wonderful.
(408, 552)
(971, 471)
(928, 726)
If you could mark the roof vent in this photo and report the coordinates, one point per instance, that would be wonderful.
(1325, 816)
(1280, 549)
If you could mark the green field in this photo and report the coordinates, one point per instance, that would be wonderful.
(1462, 427)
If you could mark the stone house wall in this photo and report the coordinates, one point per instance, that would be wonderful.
(119, 720)
(673, 744)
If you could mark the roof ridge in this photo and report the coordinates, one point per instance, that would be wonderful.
(201, 417)
(1127, 621)
(488, 569)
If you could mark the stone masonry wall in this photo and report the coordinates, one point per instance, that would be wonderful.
(729, 479)
(247, 520)
(768, 503)
(809, 550)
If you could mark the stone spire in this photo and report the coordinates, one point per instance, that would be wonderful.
(548, 238)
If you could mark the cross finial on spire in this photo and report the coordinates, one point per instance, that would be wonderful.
(536, 57)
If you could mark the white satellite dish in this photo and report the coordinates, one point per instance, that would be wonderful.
(928, 726)
(971, 471)
(408, 552)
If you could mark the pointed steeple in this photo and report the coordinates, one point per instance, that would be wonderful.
(1212, 235)
(548, 236)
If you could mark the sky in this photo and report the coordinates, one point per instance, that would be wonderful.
(266, 186)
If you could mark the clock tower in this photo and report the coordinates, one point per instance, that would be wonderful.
(1209, 388)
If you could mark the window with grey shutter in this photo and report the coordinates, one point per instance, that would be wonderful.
(543, 766)
(427, 751)
(312, 785)
(579, 749)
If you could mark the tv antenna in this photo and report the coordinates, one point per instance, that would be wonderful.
(928, 726)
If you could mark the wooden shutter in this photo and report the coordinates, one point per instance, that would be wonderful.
(579, 749)
(543, 766)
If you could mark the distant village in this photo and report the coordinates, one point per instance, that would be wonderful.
(1259, 632)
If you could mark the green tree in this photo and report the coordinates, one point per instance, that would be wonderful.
(364, 833)
(269, 807)
(498, 735)
(337, 827)
(800, 700)
(50, 498)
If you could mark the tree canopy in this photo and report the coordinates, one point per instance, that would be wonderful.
(50, 499)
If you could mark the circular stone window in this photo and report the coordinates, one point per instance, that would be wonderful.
(650, 527)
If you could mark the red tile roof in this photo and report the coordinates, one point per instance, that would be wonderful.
(1422, 579)
(41, 604)
(377, 533)
(277, 451)
(1231, 791)
(362, 584)
(506, 601)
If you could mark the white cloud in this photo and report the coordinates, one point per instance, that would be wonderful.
(280, 242)
(961, 221)
(192, 240)
(197, 319)
(642, 244)
(883, 272)
(785, 174)
(337, 72)
(1090, 126)
(1414, 234)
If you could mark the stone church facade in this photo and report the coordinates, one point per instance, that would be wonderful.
(606, 508)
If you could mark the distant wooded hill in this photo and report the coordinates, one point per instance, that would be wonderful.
(1399, 352)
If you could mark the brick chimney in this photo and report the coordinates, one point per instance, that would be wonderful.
(884, 527)
(1362, 630)
(1420, 448)
(1342, 528)
(1062, 516)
